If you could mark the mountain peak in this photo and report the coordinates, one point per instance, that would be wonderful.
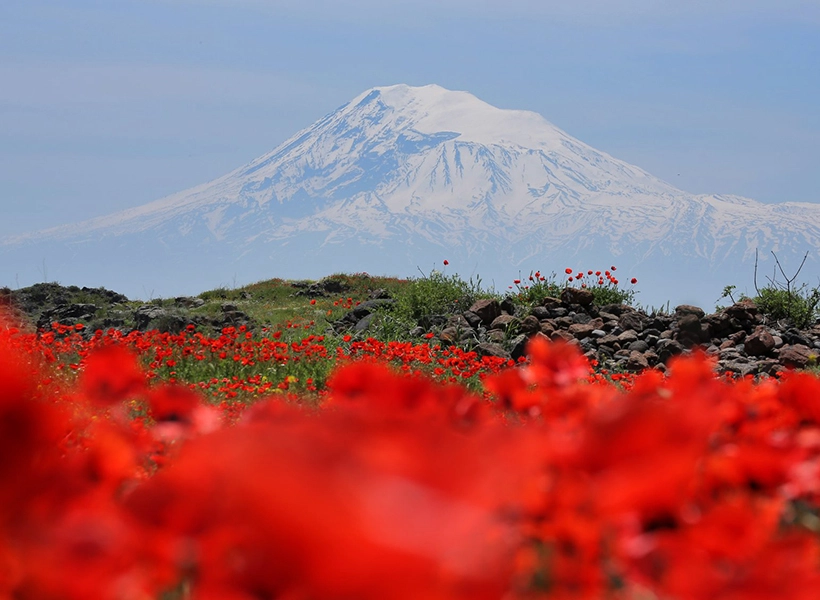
(431, 109)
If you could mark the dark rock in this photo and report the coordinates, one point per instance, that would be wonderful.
(736, 366)
(188, 302)
(467, 337)
(631, 320)
(687, 309)
(449, 335)
(375, 304)
(770, 366)
(146, 313)
(689, 323)
(730, 354)
(606, 351)
(610, 340)
(459, 322)
(472, 319)
(794, 337)
(550, 302)
(580, 330)
(615, 309)
(529, 325)
(496, 335)
(540, 313)
(669, 349)
(720, 323)
(796, 356)
(67, 313)
(504, 322)
(581, 317)
(660, 322)
(638, 346)
(492, 349)
(636, 361)
(487, 310)
(507, 306)
(379, 294)
(759, 343)
(365, 322)
(571, 295)
(518, 346)
(562, 335)
(558, 312)
(171, 323)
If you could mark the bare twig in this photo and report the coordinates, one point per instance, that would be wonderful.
(757, 289)
(789, 281)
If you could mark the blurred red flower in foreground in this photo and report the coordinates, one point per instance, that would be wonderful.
(552, 482)
(111, 375)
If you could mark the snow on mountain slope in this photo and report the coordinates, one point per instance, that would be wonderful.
(423, 171)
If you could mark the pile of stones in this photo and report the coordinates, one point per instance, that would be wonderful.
(618, 336)
(622, 337)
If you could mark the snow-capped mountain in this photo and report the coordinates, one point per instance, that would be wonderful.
(405, 176)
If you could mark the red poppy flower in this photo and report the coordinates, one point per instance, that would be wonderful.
(568, 271)
(446, 262)
(633, 281)
(111, 374)
(172, 403)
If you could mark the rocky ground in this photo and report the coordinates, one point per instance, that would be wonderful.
(98, 308)
(619, 337)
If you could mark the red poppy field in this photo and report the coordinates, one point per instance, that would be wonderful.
(268, 466)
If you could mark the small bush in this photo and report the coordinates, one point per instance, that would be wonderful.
(784, 300)
(436, 294)
(798, 306)
(604, 287)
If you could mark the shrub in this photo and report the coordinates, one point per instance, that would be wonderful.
(603, 285)
(436, 294)
(796, 304)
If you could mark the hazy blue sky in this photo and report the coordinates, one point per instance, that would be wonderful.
(113, 103)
